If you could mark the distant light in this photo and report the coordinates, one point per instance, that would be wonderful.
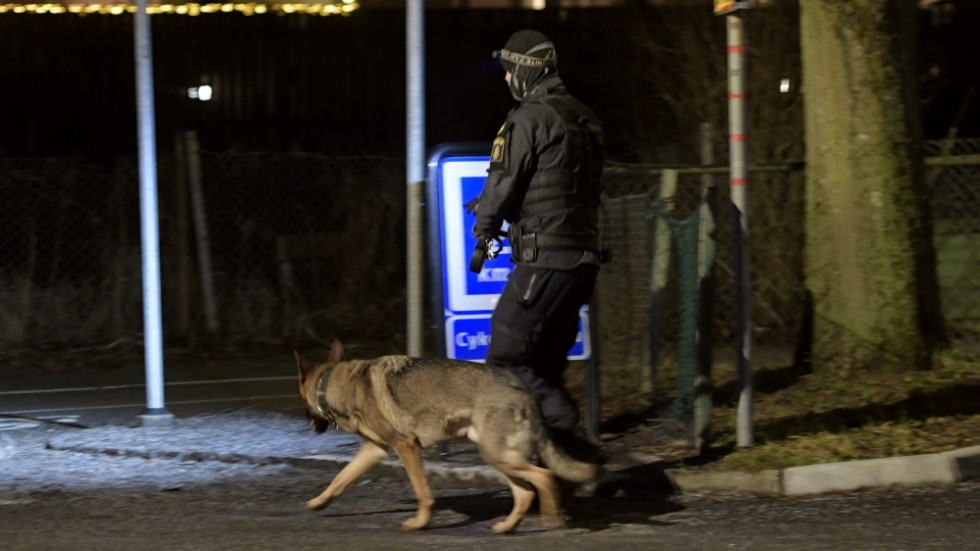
(784, 85)
(539, 4)
(201, 93)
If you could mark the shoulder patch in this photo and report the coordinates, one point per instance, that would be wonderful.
(497, 153)
(500, 143)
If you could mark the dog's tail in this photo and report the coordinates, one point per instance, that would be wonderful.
(570, 457)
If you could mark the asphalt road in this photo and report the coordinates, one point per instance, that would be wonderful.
(56, 499)
(93, 397)
(91, 501)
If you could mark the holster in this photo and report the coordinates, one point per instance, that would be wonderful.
(523, 246)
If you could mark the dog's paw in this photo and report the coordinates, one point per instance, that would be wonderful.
(318, 503)
(415, 523)
(504, 527)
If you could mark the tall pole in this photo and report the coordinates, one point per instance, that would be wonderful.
(739, 193)
(155, 412)
(415, 170)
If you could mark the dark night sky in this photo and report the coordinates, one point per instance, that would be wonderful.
(332, 84)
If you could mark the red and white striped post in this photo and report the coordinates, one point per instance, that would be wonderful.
(733, 12)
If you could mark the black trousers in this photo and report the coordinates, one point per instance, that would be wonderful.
(532, 329)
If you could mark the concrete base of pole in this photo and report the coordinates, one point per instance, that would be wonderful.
(156, 418)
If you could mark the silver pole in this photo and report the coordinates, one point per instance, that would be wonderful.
(415, 169)
(739, 193)
(155, 413)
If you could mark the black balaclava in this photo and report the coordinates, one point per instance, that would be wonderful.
(529, 57)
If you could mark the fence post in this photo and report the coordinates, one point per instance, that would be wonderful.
(201, 227)
(703, 390)
(659, 274)
(181, 250)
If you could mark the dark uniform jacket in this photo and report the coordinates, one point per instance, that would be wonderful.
(544, 179)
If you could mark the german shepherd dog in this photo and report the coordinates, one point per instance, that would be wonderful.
(409, 404)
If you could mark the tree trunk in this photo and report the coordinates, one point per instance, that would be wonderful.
(870, 262)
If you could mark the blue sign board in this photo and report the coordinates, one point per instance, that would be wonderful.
(467, 299)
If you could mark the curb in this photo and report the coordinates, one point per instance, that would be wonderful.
(934, 468)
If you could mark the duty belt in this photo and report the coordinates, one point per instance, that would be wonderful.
(559, 242)
(525, 246)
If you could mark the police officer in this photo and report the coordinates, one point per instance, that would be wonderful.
(544, 179)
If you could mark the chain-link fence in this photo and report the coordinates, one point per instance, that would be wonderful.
(956, 234)
(69, 251)
(298, 245)
(302, 246)
(666, 224)
(641, 328)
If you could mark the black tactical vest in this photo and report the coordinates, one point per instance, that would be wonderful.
(576, 183)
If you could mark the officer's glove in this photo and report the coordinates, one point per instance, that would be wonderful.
(472, 205)
(487, 248)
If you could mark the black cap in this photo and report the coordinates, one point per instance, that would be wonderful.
(528, 48)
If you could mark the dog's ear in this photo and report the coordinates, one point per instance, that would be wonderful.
(336, 352)
(301, 366)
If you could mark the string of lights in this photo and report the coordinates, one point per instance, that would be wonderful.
(341, 7)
